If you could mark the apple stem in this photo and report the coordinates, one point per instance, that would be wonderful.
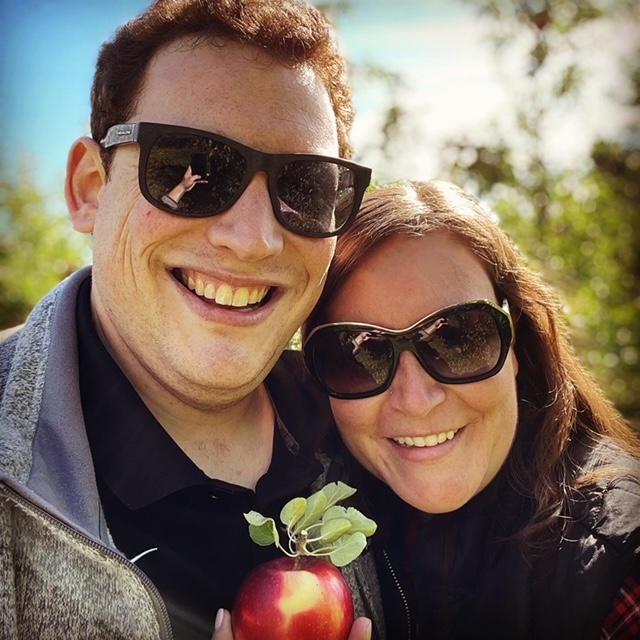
(298, 542)
(301, 542)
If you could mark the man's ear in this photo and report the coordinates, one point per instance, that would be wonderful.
(85, 179)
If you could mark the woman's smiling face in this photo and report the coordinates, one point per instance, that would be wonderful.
(400, 281)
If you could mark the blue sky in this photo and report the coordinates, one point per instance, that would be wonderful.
(451, 84)
(47, 58)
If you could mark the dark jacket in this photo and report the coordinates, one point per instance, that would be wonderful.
(464, 575)
(61, 576)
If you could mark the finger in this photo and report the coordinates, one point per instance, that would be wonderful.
(222, 629)
(361, 629)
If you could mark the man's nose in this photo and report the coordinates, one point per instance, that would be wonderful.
(413, 391)
(249, 229)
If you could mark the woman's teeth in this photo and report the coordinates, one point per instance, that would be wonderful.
(225, 294)
(425, 441)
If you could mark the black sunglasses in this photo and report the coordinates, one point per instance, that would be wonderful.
(196, 174)
(459, 344)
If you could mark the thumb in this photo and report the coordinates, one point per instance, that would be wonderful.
(361, 629)
(222, 627)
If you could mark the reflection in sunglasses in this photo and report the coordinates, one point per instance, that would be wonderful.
(468, 347)
(189, 180)
(375, 362)
(425, 333)
(459, 344)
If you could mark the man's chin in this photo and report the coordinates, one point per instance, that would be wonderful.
(222, 379)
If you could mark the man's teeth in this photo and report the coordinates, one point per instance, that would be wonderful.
(225, 294)
(425, 441)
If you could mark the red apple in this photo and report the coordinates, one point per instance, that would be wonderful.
(301, 598)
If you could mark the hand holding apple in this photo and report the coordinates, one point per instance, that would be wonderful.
(303, 596)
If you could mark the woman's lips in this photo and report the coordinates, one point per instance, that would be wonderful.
(431, 440)
(421, 448)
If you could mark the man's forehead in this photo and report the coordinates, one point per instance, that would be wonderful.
(238, 90)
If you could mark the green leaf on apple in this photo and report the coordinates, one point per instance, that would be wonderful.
(336, 492)
(317, 526)
(360, 522)
(263, 531)
(293, 511)
(333, 529)
(348, 548)
(334, 512)
(316, 505)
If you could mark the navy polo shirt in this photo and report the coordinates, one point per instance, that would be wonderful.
(153, 495)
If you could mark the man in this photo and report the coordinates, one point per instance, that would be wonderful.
(147, 403)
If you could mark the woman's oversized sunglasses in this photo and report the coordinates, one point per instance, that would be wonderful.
(196, 174)
(459, 344)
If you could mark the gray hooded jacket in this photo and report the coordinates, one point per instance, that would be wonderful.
(59, 570)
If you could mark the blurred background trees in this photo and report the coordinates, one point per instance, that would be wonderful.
(579, 225)
(38, 248)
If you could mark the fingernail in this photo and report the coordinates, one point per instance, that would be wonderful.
(219, 619)
(368, 628)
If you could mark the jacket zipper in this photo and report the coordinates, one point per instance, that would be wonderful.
(161, 609)
(403, 597)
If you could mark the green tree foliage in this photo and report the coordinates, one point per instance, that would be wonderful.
(580, 226)
(38, 248)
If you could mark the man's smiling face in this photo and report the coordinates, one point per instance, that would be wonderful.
(205, 306)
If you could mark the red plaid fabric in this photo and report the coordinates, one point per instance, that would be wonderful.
(623, 622)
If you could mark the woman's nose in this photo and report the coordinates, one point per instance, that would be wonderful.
(413, 391)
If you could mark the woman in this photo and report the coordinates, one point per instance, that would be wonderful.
(506, 485)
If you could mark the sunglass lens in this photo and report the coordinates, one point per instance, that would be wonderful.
(351, 362)
(316, 197)
(460, 344)
(193, 175)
